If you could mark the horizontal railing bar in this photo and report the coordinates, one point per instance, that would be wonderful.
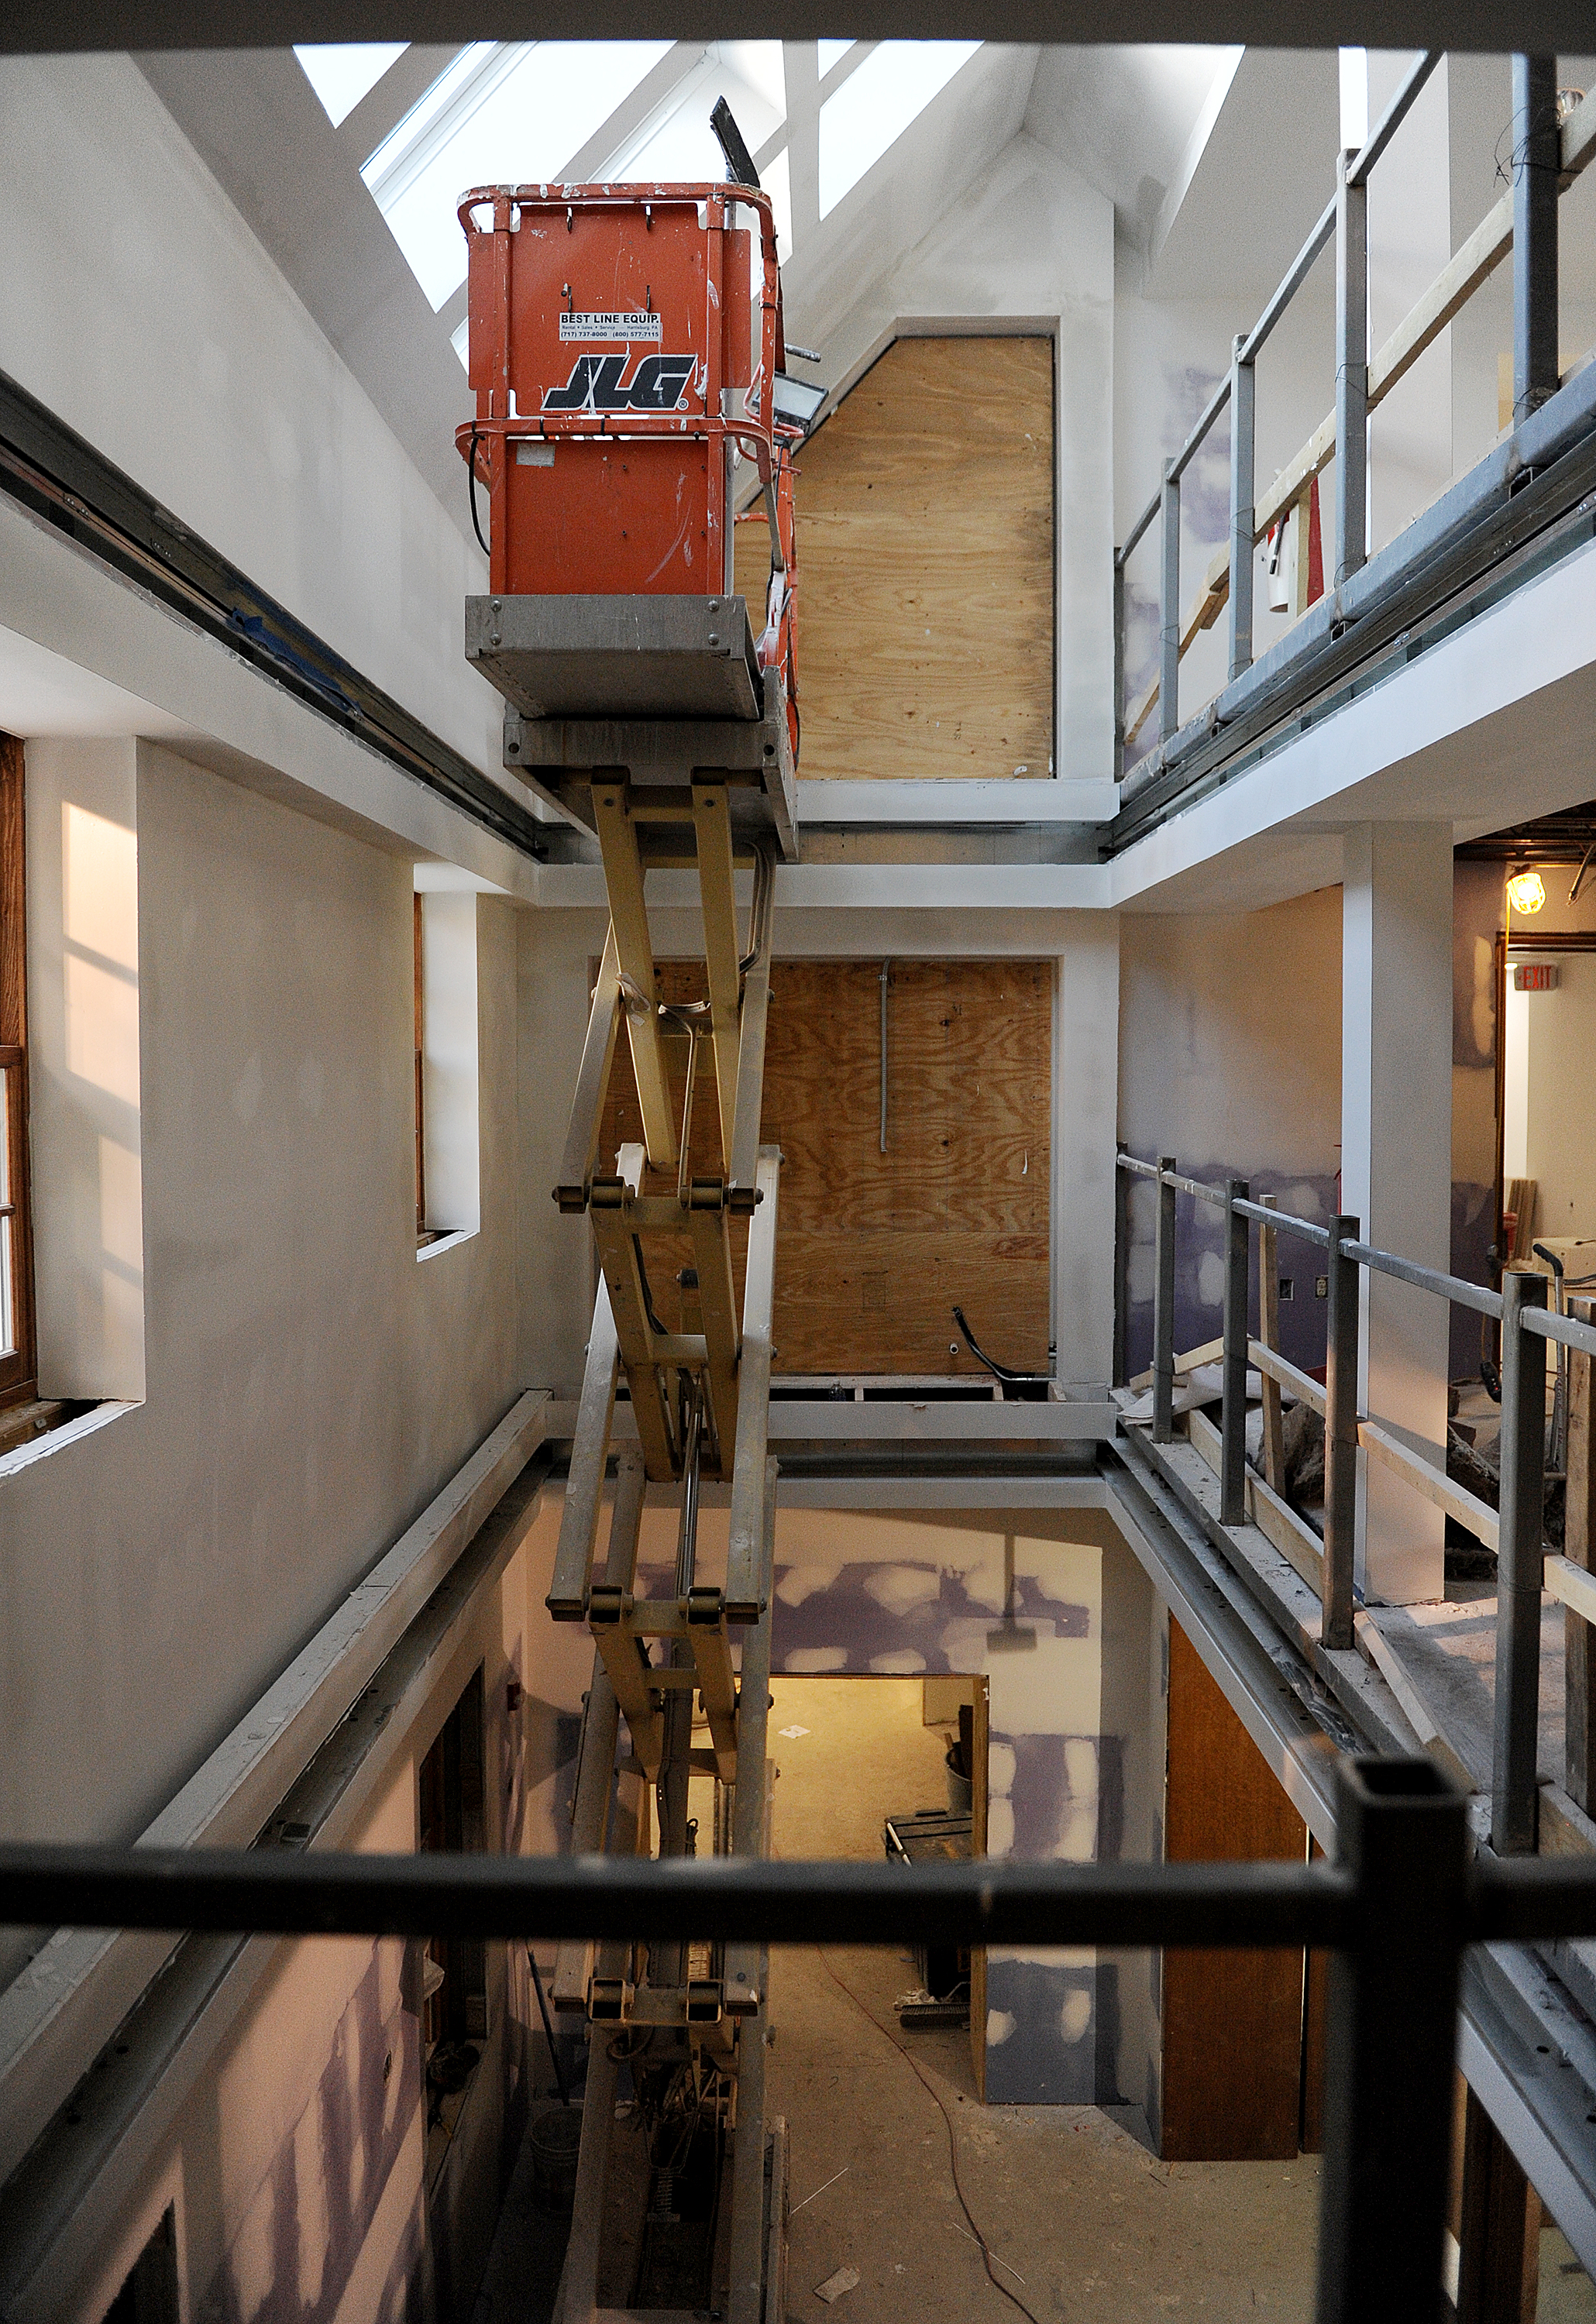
(1291, 282)
(1286, 1224)
(1427, 1278)
(1392, 118)
(279, 1892)
(1189, 449)
(1523, 1897)
(1565, 1328)
(1139, 527)
(1172, 1178)
(1485, 1302)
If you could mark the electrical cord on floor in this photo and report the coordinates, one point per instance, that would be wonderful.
(952, 2151)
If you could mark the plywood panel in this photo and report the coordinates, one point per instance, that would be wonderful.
(1233, 2021)
(875, 1250)
(925, 555)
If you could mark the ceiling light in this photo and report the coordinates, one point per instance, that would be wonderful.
(1526, 891)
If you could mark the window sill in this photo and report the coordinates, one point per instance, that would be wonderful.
(56, 1440)
(448, 1241)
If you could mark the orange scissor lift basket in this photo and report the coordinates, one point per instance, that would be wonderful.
(626, 353)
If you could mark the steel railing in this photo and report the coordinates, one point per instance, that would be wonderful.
(1396, 1908)
(1527, 1328)
(1546, 156)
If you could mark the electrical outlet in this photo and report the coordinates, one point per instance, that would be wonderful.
(1321, 1286)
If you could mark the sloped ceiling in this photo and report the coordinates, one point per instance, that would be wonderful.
(1122, 117)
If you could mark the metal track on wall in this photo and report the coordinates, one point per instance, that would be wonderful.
(59, 478)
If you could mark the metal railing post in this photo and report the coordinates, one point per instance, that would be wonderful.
(1342, 1324)
(1352, 371)
(1514, 1796)
(1164, 1307)
(1538, 156)
(1243, 389)
(1169, 606)
(1119, 666)
(1402, 1833)
(1232, 1457)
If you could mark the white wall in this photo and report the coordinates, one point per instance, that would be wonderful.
(307, 1387)
(1551, 1047)
(142, 311)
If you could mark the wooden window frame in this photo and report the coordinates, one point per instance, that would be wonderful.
(19, 1365)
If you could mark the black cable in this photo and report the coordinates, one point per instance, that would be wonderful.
(471, 487)
(953, 2152)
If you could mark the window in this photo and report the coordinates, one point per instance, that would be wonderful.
(513, 111)
(18, 1364)
(343, 73)
(422, 1232)
(454, 2003)
(449, 1168)
(885, 92)
(149, 2295)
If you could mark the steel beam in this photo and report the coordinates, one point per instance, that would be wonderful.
(1232, 1474)
(1164, 1307)
(1537, 157)
(1342, 1325)
(1169, 607)
(1514, 1783)
(1243, 406)
(746, 1548)
(1352, 372)
(623, 880)
(593, 1082)
(712, 825)
(1403, 1839)
(578, 1525)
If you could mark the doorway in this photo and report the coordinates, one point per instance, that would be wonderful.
(862, 1772)
(1546, 1101)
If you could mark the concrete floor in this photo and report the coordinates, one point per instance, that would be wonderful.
(1084, 2222)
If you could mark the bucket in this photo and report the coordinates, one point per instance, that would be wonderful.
(961, 1791)
(555, 2139)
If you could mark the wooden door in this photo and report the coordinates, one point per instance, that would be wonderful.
(874, 1249)
(1233, 2021)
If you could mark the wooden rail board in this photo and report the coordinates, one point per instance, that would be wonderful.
(926, 557)
(875, 1250)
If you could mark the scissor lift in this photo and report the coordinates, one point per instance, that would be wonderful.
(626, 352)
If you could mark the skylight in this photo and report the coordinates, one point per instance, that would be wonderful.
(830, 52)
(885, 92)
(516, 112)
(342, 72)
(676, 141)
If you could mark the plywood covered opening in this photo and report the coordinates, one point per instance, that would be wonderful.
(876, 1248)
(925, 566)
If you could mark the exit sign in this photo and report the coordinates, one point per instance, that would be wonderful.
(1535, 976)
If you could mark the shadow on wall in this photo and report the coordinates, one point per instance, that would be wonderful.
(1199, 1264)
(314, 2215)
